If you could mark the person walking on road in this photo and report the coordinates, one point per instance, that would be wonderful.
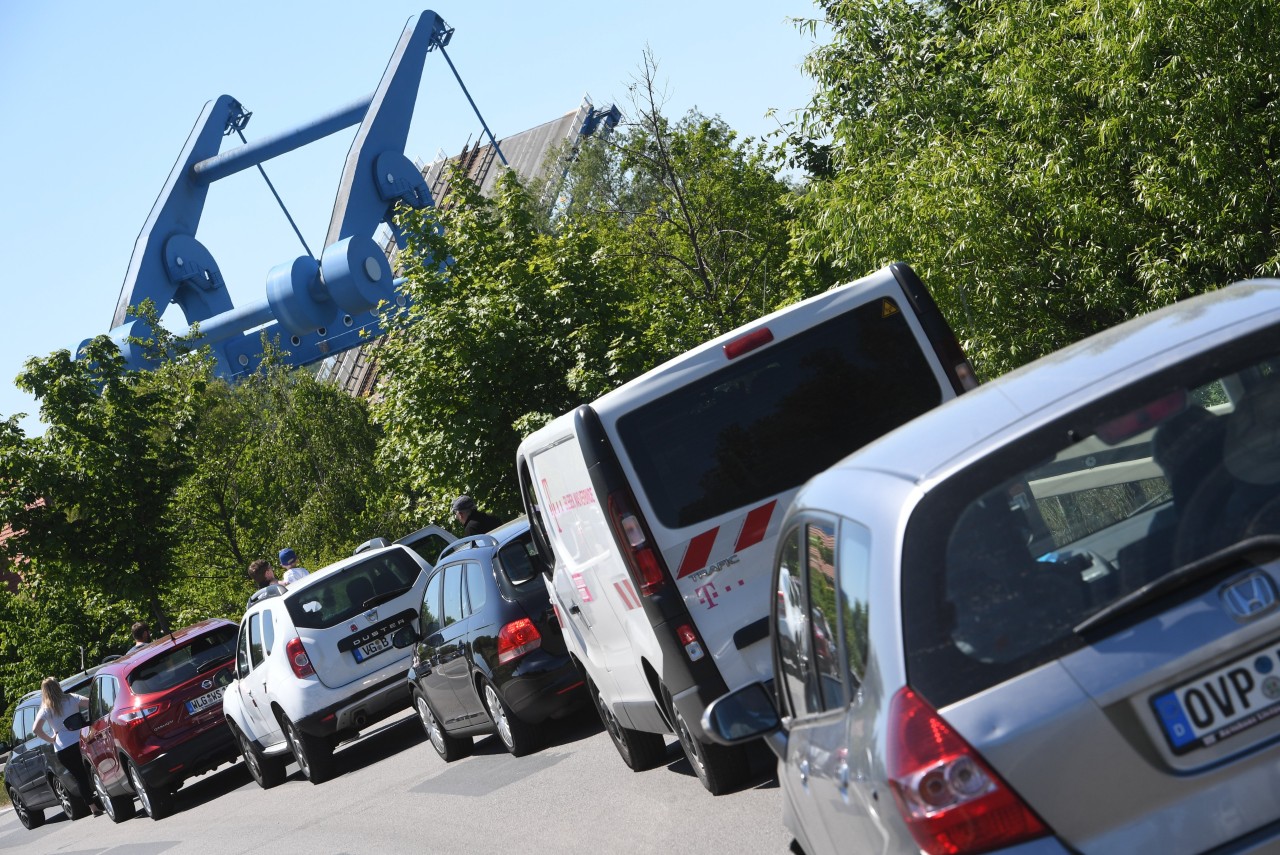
(474, 520)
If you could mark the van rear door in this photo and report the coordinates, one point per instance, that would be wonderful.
(716, 442)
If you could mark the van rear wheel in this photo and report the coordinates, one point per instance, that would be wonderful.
(720, 768)
(638, 749)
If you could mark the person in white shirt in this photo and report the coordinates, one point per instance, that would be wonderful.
(51, 725)
(293, 569)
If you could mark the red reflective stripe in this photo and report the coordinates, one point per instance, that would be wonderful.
(628, 594)
(696, 555)
(754, 528)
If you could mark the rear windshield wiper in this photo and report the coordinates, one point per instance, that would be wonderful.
(382, 598)
(1266, 547)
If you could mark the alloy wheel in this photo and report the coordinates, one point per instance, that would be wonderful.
(429, 724)
(497, 713)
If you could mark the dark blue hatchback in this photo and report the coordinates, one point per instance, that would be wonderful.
(490, 657)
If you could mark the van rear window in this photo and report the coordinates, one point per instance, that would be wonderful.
(345, 593)
(768, 422)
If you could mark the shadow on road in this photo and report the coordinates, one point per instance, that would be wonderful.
(210, 786)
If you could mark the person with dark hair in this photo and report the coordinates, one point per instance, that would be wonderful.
(474, 520)
(261, 573)
(141, 634)
(54, 725)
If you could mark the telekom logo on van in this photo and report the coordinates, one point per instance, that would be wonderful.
(753, 530)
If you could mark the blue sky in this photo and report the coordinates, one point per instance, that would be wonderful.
(99, 98)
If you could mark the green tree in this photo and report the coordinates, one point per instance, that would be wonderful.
(283, 460)
(1050, 167)
(89, 500)
(696, 218)
(519, 325)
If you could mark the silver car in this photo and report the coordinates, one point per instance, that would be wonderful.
(1045, 617)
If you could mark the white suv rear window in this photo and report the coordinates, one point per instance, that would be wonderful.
(343, 594)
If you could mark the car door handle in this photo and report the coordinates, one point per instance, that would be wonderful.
(574, 610)
(804, 771)
(842, 779)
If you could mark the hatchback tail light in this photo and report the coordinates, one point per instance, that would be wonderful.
(642, 561)
(516, 639)
(299, 661)
(951, 800)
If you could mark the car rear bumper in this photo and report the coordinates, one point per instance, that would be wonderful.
(544, 686)
(191, 757)
(356, 711)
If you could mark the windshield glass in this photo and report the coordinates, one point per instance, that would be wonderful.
(769, 421)
(1091, 510)
(342, 594)
(199, 654)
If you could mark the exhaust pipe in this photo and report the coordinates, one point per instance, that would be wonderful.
(360, 719)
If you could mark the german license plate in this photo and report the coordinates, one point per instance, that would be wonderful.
(1222, 703)
(373, 648)
(205, 701)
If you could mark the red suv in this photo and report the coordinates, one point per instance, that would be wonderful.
(155, 718)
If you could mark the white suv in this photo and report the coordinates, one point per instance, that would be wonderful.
(315, 663)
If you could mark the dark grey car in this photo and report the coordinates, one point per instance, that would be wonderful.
(1045, 617)
(33, 777)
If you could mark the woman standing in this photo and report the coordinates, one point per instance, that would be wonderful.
(56, 706)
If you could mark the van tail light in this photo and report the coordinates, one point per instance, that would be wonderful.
(689, 639)
(642, 560)
(951, 800)
(747, 342)
(299, 661)
(516, 639)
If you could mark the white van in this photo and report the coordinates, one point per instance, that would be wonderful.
(660, 502)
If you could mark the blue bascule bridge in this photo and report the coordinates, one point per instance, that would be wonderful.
(315, 305)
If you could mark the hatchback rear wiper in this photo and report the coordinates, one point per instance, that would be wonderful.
(1256, 550)
(378, 599)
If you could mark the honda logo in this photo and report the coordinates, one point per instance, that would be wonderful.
(1249, 597)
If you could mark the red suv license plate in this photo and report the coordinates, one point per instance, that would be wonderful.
(1217, 705)
(373, 648)
(202, 703)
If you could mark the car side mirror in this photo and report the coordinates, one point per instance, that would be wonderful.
(405, 636)
(743, 715)
(5, 748)
(75, 721)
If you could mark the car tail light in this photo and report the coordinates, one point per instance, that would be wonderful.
(516, 639)
(137, 714)
(689, 639)
(299, 661)
(642, 561)
(950, 799)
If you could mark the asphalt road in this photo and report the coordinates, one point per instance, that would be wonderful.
(394, 794)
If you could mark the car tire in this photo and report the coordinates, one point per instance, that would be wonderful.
(72, 805)
(314, 755)
(449, 747)
(268, 772)
(119, 808)
(720, 768)
(639, 749)
(156, 801)
(30, 818)
(517, 735)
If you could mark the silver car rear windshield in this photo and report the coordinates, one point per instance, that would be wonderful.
(1094, 522)
(769, 421)
(345, 593)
